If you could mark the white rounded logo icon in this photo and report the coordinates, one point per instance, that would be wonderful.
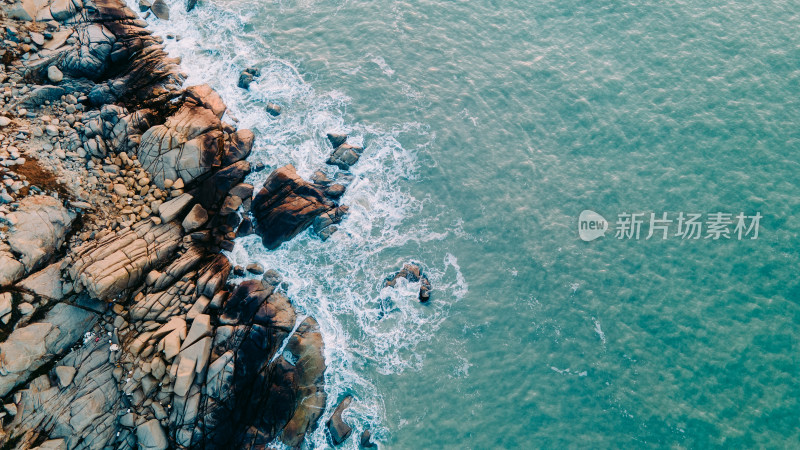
(591, 225)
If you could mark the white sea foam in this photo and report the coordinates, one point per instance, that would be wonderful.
(599, 330)
(338, 282)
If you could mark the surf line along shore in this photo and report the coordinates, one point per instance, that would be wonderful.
(120, 190)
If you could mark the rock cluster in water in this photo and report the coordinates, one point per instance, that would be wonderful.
(119, 326)
(413, 273)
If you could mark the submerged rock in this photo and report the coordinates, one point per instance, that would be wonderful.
(366, 440)
(413, 273)
(273, 109)
(247, 76)
(344, 155)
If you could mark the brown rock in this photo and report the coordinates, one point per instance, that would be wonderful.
(196, 218)
(287, 205)
(338, 428)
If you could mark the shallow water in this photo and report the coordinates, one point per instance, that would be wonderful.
(489, 126)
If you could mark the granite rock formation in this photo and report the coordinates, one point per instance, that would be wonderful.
(119, 325)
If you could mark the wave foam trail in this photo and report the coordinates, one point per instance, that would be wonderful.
(366, 327)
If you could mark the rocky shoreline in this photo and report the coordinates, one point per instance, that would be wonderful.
(119, 325)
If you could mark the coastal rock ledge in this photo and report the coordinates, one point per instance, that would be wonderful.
(119, 326)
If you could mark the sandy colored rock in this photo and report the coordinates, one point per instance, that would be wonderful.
(196, 218)
(65, 374)
(54, 75)
(46, 282)
(170, 210)
(41, 225)
(151, 436)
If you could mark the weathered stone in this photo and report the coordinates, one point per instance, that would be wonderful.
(255, 268)
(37, 38)
(45, 283)
(230, 206)
(63, 9)
(41, 223)
(272, 277)
(121, 190)
(345, 156)
(190, 143)
(170, 210)
(247, 76)
(242, 190)
(5, 303)
(337, 139)
(337, 427)
(65, 374)
(151, 436)
(121, 260)
(30, 347)
(196, 218)
(160, 9)
(54, 75)
(23, 10)
(53, 444)
(287, 205)
(11, 270)
(184, 376)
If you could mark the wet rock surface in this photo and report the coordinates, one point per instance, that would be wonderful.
(339, 429)
(413, 273)
(287, 205)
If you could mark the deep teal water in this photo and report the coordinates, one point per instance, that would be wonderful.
(489, 126)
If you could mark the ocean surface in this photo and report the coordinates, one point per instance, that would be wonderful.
(488, 127)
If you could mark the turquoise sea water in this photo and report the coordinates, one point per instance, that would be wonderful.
(489, 126)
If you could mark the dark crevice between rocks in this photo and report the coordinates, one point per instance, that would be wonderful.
(6, 329)
(75, 228)
(12, 443)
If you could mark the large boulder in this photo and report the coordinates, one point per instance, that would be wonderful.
(31, 346)
(151, 436)
(270, 395)
(39, 228)
(287, 205)
(345, 156)
(188, 143)
(337, 427)
(11, 270)
(121, 260)
(193, 141)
